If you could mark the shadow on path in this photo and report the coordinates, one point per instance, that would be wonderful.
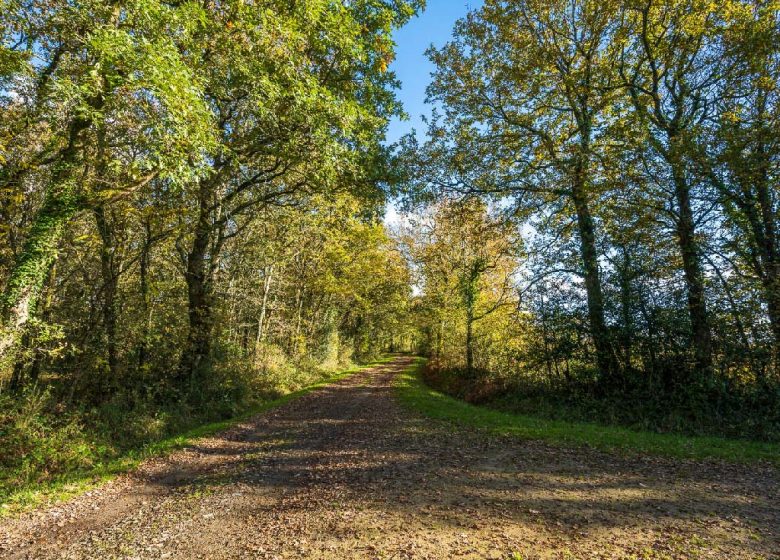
(345, 472)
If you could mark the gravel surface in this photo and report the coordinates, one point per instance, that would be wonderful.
(346, 472)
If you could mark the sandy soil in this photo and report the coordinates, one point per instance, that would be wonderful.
(346, 472)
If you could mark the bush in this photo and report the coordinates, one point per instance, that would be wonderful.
(38, 440)
(720, 406)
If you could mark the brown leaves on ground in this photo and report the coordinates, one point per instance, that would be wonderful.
(345, 472)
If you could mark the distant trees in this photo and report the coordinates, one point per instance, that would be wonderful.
(466, 260)
(635, 147)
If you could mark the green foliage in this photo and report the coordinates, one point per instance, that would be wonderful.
(36, 442)
(465, 256)
(190, 197)
(416, 395)
(50, 454)
(189, 202)
(633, 148)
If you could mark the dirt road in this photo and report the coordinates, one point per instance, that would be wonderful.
(346, 472)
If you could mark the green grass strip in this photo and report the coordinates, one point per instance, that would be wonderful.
(72, 484)
(416, 395)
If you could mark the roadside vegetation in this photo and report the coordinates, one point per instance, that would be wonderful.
(418, 396)
(191, 201)
(192, 198)
(594, 215)
(65, 457)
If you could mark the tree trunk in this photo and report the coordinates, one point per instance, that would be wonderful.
(144, 293)
(440, 339)
(771, 279)
(471, 290)
(264, 305)
(470, 343)
(197, 348)
(701, 339)
(110, 284)
(296, 342)
(762, 222)
(772, 288)
(545, 338)
(40, 249)
(605, 357)
(627, 337)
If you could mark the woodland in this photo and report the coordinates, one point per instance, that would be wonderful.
(192, 197)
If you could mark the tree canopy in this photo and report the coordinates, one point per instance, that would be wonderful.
(192, 199)
(629, 143)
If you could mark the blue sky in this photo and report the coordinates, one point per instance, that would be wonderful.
(433, 26)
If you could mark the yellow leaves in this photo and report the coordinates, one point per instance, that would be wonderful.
(766, 83)
(734, 11)
(730, 117)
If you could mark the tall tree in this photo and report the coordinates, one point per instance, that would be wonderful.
(745, 139)
(526, 87)
(293, 121)
(672, 64)
(102, 68)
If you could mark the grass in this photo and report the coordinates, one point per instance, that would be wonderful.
(69, 485)
(415, 394)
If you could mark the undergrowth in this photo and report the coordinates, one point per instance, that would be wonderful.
(50, 452)
(720, 407)
(415, 394)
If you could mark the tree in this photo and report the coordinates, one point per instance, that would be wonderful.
(744, 136)
(672, 64)
(103, 75)
(317, 129)
(466, 259)
(526, 87)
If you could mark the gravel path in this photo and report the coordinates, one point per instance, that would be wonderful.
(345, 472)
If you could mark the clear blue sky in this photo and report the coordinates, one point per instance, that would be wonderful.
(433, 26)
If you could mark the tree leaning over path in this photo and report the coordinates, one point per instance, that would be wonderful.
(313, 130)
(227, 109)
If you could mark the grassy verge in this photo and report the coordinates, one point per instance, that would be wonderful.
(27, 497)
(415, 394)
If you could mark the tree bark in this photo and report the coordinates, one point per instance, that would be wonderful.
(470, 342)
(110, 284)
(28, 276)
(701, 339)
(197, 348)
(143, 265)
(470, 299)
(628, 327)
(605, 357)
(268, 276)
(755, 202)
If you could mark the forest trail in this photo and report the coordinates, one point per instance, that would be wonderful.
(346, 472)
